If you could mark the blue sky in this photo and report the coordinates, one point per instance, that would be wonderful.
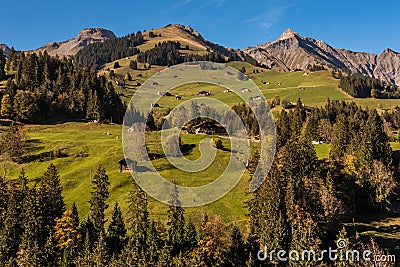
(369, 26)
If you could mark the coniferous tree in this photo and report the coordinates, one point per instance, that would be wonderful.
(139, 216)
(130, 254)
(340, 140)
(283, 131)
(99, 256)
(2, 66)
(12, 229)
(98, 204)
(116, 233)
(190, 236)
(6, 107)
(236, 255)
(154, 242)
(176, 224)
(51, 186)
(133, 65)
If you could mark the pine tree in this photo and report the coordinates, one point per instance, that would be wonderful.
(25, 106)
(175, 224)
(139, 215)
(340, 140)
(283, 132)
(2, 66)
(375, 134)
(190, 236)
(6, 107)
(98, 204)
(99, 256)
(51, 186)
(75, 214)
(133, 65)
(236, 255)
(268, 214)
(130, 254)
(116, 233)
(93, 110)
(12, 230)
(36, 229)
(154, 242)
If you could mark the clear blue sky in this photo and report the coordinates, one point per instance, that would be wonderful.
(369, 26)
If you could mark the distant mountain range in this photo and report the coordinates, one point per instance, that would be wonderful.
(290, 52)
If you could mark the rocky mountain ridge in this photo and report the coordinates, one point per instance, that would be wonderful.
(293, 51)
(71, 46)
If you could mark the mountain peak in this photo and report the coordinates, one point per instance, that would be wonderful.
(73, 45)
(96, 33)
(5, 49)
(289, 33)
(186, 28)
(389, 51)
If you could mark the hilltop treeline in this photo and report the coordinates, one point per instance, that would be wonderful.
(362, 86)
(163, 54)
(167, 54)
(301, 205)
(46, 86)
(97, 54)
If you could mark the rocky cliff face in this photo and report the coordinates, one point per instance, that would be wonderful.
(195, 36)
(388, 66)
(5, 49)
(293, 51)
(72, 46)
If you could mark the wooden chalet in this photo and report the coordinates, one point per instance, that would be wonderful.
(210, 128)
(126, 165)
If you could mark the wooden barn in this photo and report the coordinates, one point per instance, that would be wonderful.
(210, 128)
(126, 165)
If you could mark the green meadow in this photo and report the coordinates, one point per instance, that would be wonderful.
(86, 145)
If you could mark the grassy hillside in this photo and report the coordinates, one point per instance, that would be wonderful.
(312, 87)
(173, 33)
(86, 145)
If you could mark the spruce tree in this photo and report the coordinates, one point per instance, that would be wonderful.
(190, 236)
(6, 107)
(340, 140)
(154, 242)
(133, 65)
(51, 186)
(116, 234)
(283, 132)
(2, 66)
(99, 256)
(175, 224)
(12, 230)
(236, 255)
(139, 216)
(98, 205)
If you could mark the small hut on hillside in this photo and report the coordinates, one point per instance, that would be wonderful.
(210, 128)
(126, 165)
